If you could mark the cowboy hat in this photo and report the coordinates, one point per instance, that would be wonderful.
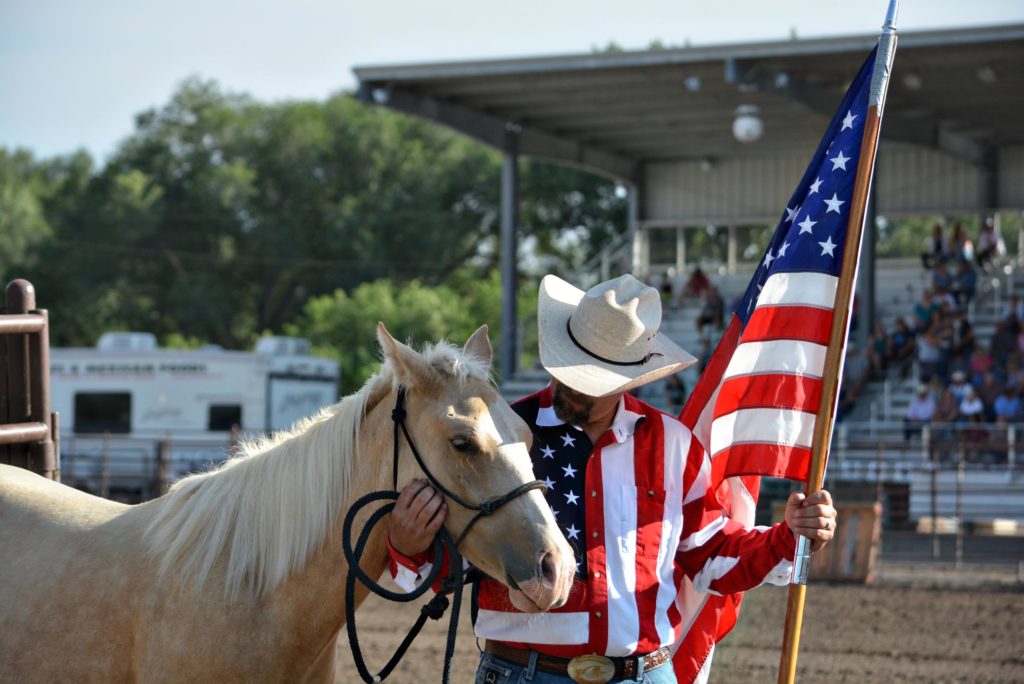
(604, 341)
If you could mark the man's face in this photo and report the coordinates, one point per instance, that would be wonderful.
(570, 406)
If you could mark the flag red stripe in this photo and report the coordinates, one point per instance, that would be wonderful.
(771, 460)
(789, 322)
(770, 390)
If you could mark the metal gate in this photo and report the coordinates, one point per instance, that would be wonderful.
(28, 428)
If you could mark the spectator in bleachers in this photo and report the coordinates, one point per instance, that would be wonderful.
(705, 353)
(947, 411)
(960, 387)
(919, 413)
(675, 394)
(972, 412)
(856, 371)
(958, 365)
(925, 311)
(1004, 342)
(929, 356)
(990, 244)
(938, 249)
(1007, 407)
(963, 334)
(712, 311)
(878, 349)
(901, 345)
(697, 284)
(988, 391)
(1014, 310)
(942, 279)
(965, 284)
(981, 364)
(961, 245)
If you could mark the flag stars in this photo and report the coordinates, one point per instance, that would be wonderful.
(783, 248)
(568, 440)
(550, 484)
(814, 186)
(572, 532)
(569, 471)
(548, 452)
(848, 121)
(791, 213)
(834, 204)
(827, 247)
(768, 258)
(571, 498)
(839, 161)
(806, 225)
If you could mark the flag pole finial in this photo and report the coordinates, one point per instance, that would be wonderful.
(890, 17)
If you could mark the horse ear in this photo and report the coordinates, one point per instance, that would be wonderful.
(479, 345)
(411, 368)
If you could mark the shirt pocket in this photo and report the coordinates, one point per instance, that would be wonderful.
(648, 505)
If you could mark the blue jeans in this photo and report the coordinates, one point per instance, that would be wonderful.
(497, 671)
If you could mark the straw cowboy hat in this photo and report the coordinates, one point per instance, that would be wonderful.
(605, 341)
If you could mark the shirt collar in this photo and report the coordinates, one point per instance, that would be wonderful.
(628, 415)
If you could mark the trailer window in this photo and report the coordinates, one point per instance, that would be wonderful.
(223, 417)
(103, 412)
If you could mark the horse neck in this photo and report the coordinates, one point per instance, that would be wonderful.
(313, 599)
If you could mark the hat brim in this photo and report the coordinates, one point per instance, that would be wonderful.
(570, 365)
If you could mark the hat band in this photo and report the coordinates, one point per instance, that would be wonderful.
(651, 355)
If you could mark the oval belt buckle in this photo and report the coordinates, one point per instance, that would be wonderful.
(591, 669)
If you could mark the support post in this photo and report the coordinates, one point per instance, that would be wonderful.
(509, 245)
(680, 250)
(636, 231)
(730, 258)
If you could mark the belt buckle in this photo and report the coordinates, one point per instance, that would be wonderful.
(591, 669)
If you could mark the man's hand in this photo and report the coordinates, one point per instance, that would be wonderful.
(418, 514)
(812, 516)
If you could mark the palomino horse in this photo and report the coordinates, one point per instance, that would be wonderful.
(237, 574)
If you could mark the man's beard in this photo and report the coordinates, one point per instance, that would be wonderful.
(571, 407)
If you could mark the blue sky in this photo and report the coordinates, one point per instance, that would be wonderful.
(74, 73)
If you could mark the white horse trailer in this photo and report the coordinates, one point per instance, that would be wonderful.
(135, 416)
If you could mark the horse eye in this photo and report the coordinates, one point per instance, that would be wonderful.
(464, 445)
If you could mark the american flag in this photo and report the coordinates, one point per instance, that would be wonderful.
(754, 408)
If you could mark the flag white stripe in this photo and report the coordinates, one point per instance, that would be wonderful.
(799, 288)
(794, 357)
(762, 426)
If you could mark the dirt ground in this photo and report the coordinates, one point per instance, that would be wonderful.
(917, 628)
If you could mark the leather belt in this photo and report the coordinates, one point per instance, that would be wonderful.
(624, 668)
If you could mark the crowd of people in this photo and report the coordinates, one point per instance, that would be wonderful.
(964, 381)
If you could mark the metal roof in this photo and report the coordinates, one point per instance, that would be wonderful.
(957, 90)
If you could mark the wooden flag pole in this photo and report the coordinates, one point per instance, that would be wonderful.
(837, 339)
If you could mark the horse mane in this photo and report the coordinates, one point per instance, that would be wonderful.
(271, 506)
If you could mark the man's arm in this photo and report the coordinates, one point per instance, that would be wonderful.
(722, 556)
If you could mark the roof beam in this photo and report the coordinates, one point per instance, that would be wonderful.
(492, 131)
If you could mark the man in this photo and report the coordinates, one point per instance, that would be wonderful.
(628, 486)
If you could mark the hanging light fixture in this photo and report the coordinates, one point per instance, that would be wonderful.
(748, 126)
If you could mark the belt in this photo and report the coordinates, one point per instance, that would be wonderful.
(585, 669)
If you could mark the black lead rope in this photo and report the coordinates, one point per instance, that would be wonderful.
(451, 584)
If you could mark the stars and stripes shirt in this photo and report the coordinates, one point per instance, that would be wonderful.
(638, 512)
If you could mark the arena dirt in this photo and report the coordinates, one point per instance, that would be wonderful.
(892, 634)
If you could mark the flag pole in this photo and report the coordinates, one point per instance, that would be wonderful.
(837, 337)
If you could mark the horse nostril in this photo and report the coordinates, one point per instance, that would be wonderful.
(548, 569)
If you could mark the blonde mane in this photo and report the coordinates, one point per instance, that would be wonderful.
(267, 509)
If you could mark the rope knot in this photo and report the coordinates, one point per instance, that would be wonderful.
(435, 608)
(398, 414)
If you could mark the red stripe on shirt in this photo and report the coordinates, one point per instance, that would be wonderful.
(649, 476)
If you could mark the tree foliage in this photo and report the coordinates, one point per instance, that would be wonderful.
(220, 218)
